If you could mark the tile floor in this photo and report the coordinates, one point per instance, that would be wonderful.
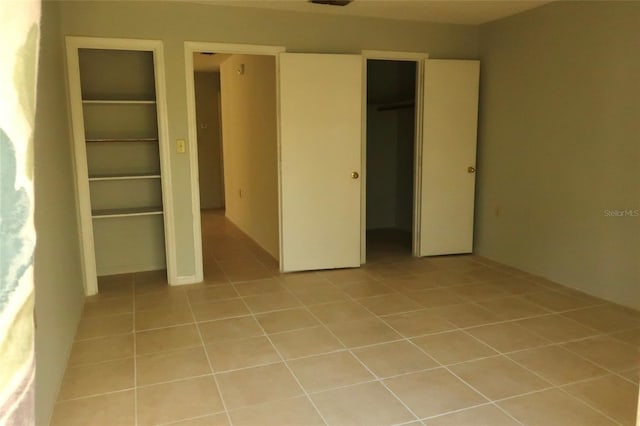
(453, 340)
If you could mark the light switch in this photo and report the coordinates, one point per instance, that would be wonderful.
(180, 146)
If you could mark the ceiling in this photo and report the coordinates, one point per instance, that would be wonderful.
(469, 12)
(208, 63)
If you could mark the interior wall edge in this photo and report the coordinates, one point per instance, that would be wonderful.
(58, 277)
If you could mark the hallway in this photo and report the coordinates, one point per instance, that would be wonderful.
(455, 340)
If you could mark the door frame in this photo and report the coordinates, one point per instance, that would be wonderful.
(419, 58)
(81, 173)
(191, 47)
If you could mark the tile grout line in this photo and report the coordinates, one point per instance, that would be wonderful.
(397, 291)
(93, 395)
(589, 405)
(284, 362)
(369, 346)
(174, 422)
(610, 371)
(332, 388)
(206, 353)
(597, 333)
(540, 376)
(454, 328)
(377, 379)
(462, 410)
(353, 299)
(446, 367)
(437, 362)
(135, 353)
(383, 281)
(492, 401)
(504, 354)
(550, 312)
(628, 379)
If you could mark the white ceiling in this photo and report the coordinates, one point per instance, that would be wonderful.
(208, 63)
(470, 12)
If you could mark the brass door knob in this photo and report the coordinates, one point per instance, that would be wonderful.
(471, 169)
(354, 175)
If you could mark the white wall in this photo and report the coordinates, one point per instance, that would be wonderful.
(207, 91)
(57, 270)
(249, 136)
(559, 145)
(176, 22)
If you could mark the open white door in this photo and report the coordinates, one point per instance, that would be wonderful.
(320, 150)
(448, 156)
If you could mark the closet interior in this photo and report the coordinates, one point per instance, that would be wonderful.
(390, 148)
(120, 123)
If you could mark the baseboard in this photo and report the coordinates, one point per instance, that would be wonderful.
(185, 279)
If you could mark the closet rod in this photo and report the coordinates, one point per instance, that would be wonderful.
(396, 106)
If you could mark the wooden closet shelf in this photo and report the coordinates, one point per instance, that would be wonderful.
(129, 176)
(396, 105)
(111, 213)
(118, 102)
(121, 140)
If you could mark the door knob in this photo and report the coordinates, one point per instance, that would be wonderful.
(471, 169)
(354, 175)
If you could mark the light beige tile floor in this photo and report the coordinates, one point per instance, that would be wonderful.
(455, 340)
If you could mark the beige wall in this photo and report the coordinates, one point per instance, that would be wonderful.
(58, 275)
(250, 147)
(175, 22)
(560, 144)
(207, 90)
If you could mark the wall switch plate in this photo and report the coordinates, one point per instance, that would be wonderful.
(181, 146)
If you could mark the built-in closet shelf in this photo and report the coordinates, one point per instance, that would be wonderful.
(121, 140)
(113, 213)
(118, 123)
(124, 177)
(118, 102)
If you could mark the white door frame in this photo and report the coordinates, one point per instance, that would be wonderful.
(87, 246)
(190, 47)
(419, 59)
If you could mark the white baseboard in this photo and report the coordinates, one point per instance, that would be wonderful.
(185, 279)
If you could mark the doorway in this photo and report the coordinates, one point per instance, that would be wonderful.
(391, 137)
(318, 165)
(233, 118)
(206, 78)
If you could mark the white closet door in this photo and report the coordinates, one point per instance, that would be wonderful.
(448, 156)
(320, 151)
